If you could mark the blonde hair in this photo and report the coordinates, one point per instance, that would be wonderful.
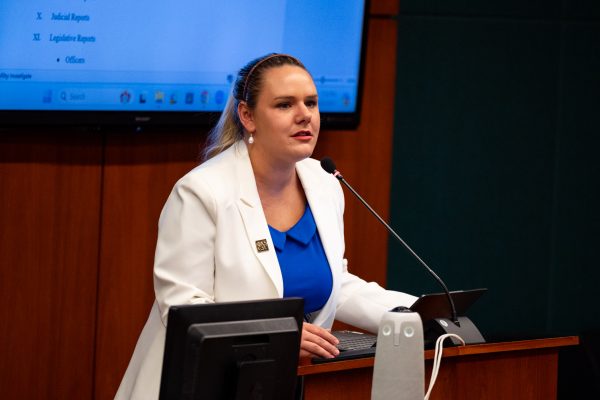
(246, 88)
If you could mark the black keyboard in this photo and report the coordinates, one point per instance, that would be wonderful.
(350, 340)
(352, 345)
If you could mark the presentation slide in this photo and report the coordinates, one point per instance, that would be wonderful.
(180, 55)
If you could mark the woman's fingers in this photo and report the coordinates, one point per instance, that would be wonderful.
(317, 341)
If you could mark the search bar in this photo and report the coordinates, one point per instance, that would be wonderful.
(95, 96)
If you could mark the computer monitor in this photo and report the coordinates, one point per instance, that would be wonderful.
(153, 65)
(235, 350)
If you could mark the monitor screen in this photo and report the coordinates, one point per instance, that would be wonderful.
(232, 350)
(125, 62)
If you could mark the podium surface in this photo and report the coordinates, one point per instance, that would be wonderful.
(526, 369)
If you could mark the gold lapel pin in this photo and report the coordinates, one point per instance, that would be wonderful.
(261, 245)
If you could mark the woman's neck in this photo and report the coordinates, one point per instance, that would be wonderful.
(272, 176)
(273, 180)
(280, 191)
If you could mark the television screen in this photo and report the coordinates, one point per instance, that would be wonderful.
(129, 62)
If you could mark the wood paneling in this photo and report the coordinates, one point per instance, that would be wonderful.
(511, 370)
(384, 7)
(139, 174)
(49, 217)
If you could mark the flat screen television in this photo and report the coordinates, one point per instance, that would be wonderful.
(231, 351)
(143, 64)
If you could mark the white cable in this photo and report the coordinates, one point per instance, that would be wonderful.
(437, 359)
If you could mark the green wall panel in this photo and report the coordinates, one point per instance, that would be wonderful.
(496, 171)
(505, 8)
(573, 299)
(474, 163)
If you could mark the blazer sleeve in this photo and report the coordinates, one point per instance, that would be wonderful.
(184, 260)
(362, 304)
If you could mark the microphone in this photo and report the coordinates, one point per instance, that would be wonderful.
(328, 165)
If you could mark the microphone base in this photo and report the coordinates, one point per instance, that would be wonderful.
(436, 327)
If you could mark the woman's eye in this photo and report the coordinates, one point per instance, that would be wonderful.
(311, 103)
(283, 105)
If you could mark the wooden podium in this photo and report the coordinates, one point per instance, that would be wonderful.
(525, 369)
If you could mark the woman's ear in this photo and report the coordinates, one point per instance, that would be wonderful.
(246, 117)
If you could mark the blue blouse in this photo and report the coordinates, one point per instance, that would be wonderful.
(304, 266)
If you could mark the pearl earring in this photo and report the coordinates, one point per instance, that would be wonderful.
(251, 139)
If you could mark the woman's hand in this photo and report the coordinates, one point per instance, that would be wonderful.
(317, 342)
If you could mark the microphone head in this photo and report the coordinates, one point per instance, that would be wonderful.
(328, 165)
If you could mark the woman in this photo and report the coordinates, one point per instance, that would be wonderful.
(258, 219)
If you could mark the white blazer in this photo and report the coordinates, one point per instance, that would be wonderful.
(207, 252)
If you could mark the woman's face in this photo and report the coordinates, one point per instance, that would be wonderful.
(285, 121)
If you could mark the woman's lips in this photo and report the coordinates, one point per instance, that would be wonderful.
(305, 135)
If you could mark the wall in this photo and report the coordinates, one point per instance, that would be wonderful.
(495, 166)
(78, 216)
(50, 186)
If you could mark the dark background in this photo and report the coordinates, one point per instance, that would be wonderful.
(495, 165)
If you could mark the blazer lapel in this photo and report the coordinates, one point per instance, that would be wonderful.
(254, 218)
(328, 228)
(323, 211)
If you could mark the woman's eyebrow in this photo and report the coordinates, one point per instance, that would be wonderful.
(312, 96)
